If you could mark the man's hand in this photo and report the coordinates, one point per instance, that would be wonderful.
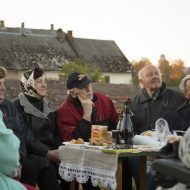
(87, 105)
(53, 155)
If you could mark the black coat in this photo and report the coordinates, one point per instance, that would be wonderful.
(11, 120)
(147, 110)
(40, 130)
(180, 119)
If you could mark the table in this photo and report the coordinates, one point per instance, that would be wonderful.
(142, 169)
(107, 166)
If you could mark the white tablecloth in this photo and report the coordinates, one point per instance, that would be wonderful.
(81, 163)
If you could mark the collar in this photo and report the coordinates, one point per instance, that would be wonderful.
(144, 97)
(30, 109)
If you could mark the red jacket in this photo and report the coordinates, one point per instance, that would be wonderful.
(72, 125)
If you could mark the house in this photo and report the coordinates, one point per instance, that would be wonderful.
(22, 47)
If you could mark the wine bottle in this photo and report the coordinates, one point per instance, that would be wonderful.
(126, 126)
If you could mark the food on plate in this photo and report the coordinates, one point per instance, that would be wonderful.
(77, 141)
(100, 142)
(173, 138)
(148, 133)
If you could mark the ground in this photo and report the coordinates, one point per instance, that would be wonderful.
(57, 91)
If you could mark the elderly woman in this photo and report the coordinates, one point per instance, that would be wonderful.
(183, 121)
(180, 119)
(38, 117)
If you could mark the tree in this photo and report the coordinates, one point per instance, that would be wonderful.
(73, 66)
(137, 66)
(164, 66)
(176, 72)
(79, 66)
(96, 75)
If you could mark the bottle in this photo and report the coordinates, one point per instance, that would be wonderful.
(125, 126)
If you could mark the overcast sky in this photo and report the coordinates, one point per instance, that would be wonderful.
(141, 28)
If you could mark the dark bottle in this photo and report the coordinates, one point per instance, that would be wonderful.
(125, 126)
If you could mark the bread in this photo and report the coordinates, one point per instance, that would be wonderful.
(148, 133)
(77, 141)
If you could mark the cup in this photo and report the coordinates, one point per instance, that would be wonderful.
(115, 136)
(98, 132)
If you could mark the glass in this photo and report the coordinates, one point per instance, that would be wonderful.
(98, 132)
(115, 136)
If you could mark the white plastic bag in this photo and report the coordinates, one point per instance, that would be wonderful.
(162, 130)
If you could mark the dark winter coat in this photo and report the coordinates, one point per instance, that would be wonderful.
(39, 120)
(180, 119)
(11, 120)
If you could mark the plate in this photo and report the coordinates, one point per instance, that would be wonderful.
(76, 145)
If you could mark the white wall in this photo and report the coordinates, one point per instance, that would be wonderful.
(119, 78)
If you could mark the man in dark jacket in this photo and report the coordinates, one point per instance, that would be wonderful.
(154, 101)
(10, 114)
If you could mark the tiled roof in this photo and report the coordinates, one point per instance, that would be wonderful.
(20, 49)
(102, 53)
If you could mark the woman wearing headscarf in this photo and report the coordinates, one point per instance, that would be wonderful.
(38, 117)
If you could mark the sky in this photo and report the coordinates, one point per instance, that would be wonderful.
(140, 28)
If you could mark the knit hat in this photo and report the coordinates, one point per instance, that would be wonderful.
(78, 80)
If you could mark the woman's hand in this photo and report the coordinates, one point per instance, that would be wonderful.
(53, 155)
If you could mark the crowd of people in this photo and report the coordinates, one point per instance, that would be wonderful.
(38, 128)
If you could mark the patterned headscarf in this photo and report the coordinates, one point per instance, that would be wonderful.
(27, 81)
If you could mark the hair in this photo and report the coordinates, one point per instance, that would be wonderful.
(3, 72)
(183, 83)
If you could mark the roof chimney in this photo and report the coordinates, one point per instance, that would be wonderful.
(52, 27)
(60, 35)
(22, 25)
(70, 35)
(2, 24)
(22, 28)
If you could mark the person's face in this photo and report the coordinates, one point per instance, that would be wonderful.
(85, 93)
(2, 89)
(187, 89)
(40, 85)
(151, 78)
